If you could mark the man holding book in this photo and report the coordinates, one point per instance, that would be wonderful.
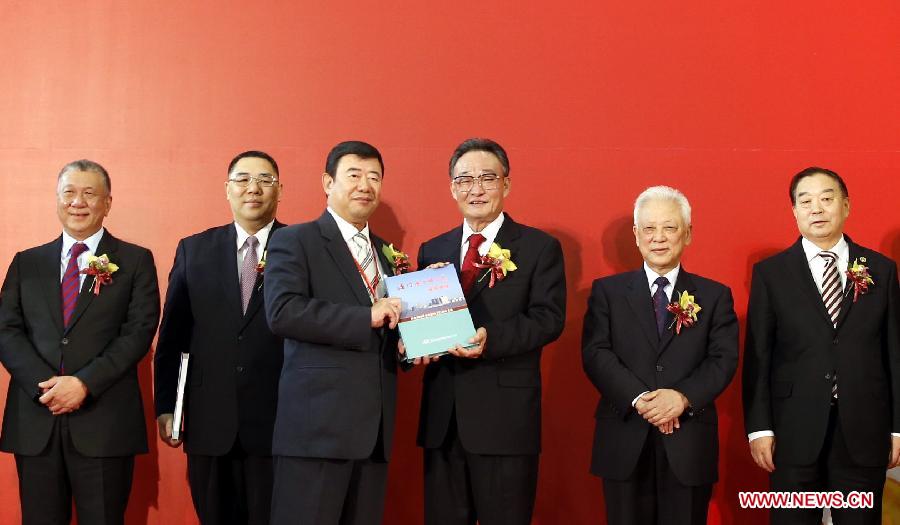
(480, 420)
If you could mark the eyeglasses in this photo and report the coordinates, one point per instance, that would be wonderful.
(488, 181)
(243, 181)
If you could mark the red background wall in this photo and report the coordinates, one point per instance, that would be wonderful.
(595, 101)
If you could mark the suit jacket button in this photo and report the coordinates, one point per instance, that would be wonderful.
(239, 368)
(240, 338)
(828, 376)
(659, 368)
(65, 340)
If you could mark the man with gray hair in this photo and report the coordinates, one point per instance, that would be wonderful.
(660, 344)
(77, 315)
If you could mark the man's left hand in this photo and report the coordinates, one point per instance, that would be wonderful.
(894, 459)
(663, 405)
(62, 394)
(480, 340)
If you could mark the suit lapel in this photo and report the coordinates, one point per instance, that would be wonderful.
(49, 271)
(256, 298)
(340, 253)
(798, 265)
(450, 249)
(385, 269)
(225, 249)
(641, 303)
(508, 239)
(855, 253)
(682, 283)
(108, 245)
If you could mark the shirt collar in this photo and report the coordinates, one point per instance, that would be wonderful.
(672, 275)
(347, 230)
(490, 231)
(261, 235)
(92, 242)
(841, 249)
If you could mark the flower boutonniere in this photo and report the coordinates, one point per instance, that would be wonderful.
(261, 265)
(399, 261)
(860, 277)
(260, 269)
(685, 311)
(498, 263)
(101, 269)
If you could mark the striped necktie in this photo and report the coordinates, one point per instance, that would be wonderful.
(366, 259)
(831, 296)
(831, 286)
(70, 282)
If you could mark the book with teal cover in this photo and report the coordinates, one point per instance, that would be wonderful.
(434, 316)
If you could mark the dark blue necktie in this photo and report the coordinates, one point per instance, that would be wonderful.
(660, 301)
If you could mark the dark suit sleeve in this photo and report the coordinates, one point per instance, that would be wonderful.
(543, 318)
(715, 371)
(761, 324)
(135, 335)
(18, 355)
(615, 382)
(174, 334)
(292, 310)
(893, 344)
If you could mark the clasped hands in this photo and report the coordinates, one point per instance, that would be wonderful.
(62, 394)
(661, 408)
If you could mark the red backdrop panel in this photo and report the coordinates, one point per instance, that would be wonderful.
(594, 102)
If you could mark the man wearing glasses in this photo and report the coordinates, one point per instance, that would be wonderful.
(480, 420)
(214, 310)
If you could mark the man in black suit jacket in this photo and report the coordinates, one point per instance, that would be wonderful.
(656, 440)
(325, 295)
(213, 311)
(71, 343)
(480, 421)
(822, 360)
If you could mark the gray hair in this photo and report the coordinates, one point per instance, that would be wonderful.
(86, 165)
(663, 193)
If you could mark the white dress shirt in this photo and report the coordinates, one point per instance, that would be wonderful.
(67, 241)
(489, 232)
(261, 236)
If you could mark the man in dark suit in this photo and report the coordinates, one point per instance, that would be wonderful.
(71, 342)
(324, 294)
(480, 421)
(214, 311)
(822, 360)
(656, 439)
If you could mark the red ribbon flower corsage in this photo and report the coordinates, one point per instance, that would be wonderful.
(498, 262)
(101, 269)
(399, 261)
(859, 276)
(261, 265)
(685, 311)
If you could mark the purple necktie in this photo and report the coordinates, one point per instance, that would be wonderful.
(248, 271)
(70, 282)
(660, 302)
